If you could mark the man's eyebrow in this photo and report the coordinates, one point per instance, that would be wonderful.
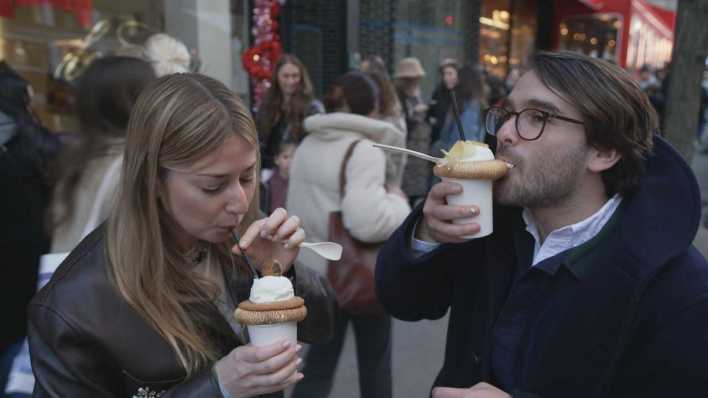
(543, 105)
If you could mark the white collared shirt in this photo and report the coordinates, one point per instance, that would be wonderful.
(561, 239)
(570, 236)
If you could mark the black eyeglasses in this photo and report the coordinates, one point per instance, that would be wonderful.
(529, 122)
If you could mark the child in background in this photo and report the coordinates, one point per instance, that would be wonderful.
(274, 185)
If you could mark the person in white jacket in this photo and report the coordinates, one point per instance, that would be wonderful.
(371, 211)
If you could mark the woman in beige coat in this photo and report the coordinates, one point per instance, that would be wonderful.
(371, 211)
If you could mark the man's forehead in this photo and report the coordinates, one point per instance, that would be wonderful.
(529, 91)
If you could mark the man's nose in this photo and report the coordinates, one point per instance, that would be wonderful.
(507, 132)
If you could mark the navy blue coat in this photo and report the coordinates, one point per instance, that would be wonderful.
(635, 325)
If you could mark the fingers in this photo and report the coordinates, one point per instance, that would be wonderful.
(447, 392)
(279, 377)
(251, 234)
(277, 362)
(294, 378)
(296, 238)
(278, 227)
(274, 222)
(254, 354)
(442, 189)
(439, 215)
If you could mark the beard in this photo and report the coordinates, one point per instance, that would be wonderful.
(541, 182)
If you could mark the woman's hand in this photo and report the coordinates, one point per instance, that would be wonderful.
(274, 238)
(248, 371)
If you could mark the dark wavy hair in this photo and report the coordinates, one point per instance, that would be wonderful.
(616, 113)
(376, 69)
(271, 110)
(354, 90)
(106, 93)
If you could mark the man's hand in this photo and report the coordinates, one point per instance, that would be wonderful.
(479, 390)
(437, 223)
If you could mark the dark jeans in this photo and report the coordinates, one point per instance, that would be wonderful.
(373, 350)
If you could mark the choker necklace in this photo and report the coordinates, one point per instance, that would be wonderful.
(196, 254)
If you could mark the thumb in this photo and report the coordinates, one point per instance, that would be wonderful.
(256, 354)
(447, 392)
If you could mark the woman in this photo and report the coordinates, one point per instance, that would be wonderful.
(370, 210)
(441, 102)
(106, 94)
(471, 97)
(287, 103)
(143, 306)
(389, 111)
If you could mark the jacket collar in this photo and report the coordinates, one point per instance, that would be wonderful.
(661, 218)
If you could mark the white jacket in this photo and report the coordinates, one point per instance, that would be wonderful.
(368, 211)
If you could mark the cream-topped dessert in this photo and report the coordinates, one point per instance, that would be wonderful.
(271, 288)
(471, 160)
(272, 309)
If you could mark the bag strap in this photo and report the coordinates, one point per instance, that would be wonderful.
(107, 182)
(343, 167)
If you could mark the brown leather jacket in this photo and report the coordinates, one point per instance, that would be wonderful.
(86, 341)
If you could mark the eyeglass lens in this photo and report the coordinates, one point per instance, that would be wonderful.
(529, 123)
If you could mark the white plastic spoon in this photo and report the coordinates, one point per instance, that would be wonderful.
(424, 156)
(411, 152)
(328, 250)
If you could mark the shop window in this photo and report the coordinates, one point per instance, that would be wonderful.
(431, 31)
(594, 35)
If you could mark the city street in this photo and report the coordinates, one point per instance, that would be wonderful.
(418, 347)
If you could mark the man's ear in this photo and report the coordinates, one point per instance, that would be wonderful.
(602, 159)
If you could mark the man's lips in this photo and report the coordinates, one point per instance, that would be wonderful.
(510, 162)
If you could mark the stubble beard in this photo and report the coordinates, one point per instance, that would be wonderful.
(542, 183)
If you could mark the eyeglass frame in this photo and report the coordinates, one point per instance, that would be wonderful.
(547, 115)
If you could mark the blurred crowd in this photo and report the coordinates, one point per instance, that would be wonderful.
(55, 182)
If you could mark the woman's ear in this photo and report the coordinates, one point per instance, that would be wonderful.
(602, 159)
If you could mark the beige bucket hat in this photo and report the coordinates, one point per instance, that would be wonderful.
(409, 67)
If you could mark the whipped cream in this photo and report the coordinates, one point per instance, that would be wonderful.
(271, 288)
(469, 151)
(477, 154)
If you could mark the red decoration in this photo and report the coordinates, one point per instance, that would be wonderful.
(252, 59)
(260, 59)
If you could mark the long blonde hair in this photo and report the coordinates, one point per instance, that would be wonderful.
(177, 120)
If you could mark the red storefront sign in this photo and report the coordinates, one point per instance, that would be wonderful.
(644, 32)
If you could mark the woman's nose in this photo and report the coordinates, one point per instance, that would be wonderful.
(237, 202)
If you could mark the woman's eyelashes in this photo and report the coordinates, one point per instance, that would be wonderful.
(214, 189)
(245, 179)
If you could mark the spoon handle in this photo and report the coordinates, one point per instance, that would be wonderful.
(410, 152)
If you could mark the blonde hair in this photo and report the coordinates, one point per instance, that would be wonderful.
(177, 120)
(167, 54)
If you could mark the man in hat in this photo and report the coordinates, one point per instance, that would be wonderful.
(589, 285)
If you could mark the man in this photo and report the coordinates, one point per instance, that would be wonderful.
(589, 285)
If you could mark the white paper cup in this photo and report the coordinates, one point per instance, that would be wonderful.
(268, 334)
(478, 193)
